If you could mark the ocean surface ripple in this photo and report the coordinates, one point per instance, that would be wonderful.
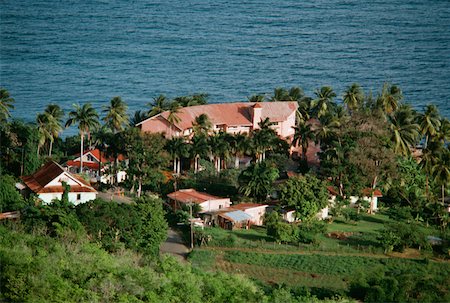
(78, 51)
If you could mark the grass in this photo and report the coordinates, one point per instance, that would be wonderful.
(367, 224)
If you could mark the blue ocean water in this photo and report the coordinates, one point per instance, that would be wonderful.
(79, 51)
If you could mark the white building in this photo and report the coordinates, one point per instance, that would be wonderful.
(206, 201)
(97, 166)
(47, 184)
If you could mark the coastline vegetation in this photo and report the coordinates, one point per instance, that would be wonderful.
(103, 251)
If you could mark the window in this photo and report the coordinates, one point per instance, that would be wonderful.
(78, 196)
(220, 206)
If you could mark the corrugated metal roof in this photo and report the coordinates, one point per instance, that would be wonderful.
(236, 216)
(191, 196)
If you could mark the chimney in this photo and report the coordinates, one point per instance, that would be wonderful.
(256, 114)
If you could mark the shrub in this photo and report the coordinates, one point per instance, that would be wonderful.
(308, 231)
(398, 236)
(10, 199)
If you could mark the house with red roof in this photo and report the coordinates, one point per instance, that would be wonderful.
(97, 165)
(47, 184)
(206, 201)
(239, 117)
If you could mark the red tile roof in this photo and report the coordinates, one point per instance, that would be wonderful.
(90, 165)
(38, 181)
(230, 114)
(191, 196)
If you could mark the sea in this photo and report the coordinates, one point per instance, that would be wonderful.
(69, 52)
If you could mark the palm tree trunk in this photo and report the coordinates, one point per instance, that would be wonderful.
(50, 148)
(175, 165)
(236, 162)
(179, 166)
(81, 154)
(443, 193)
(139, 187)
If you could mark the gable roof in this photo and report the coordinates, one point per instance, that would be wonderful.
(230, 114)
(191, 196)
(38, 181)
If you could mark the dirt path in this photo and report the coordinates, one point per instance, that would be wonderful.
(174, 245)
(111, 196)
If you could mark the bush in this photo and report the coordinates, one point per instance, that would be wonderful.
(308, 231)
(10, 199)
(398, 236)
(399, 213)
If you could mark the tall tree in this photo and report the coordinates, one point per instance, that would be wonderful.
(262, 139)
(441, 171)
(389, 99)
(159, 105)
(257, 180)
(54, 115)
(302, 136)
(307, 194)
(256, 98)
(323, 102)
(87, 119)
(429, 122)
(43, 122)
(219, 149)
(173, 117)
(199, 149)
(138, 117)
(147, 158)
(178, 148)
(6, 103)
(404, 129)
(353, 97)
(202, 125)
(116, 117)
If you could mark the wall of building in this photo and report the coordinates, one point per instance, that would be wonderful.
(215, 204)
(257, 214)
(286, 127)
(62, 177)
(73, 197)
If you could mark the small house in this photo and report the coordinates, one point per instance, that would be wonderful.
(97, 166)
(234, 219)
(206, 201)
(366, 195)
(47, 184)
(256, 211)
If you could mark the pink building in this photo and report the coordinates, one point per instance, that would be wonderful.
(240, 117)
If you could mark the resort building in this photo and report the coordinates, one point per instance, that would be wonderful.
(240, 117)
(97, 166)
(47, 184)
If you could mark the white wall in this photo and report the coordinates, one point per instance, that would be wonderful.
(215, 204)
(62, 177)
(84, 197)
(257, 213)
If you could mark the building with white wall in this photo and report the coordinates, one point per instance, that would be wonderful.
(206, 201)
(47, 184)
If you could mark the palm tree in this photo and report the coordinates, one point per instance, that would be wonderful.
(280, 94)
(256, 98)
(202, 124)
(257, 180)
(404, 130)
(327, 128)
(324, 101)
(199, 149)
(138, 117)
(6, 103)
(87, 119)
(116, 117)
(43, 122)
(173, 117)
(429, 122)
(262, 139)
(159, 105)
(430, 158)
(219, 149)
(302, 136)
(240, 145)
(303, 112)
(389, 99)
(177, 148)
(441, 171)
(353, 97)
(443, 135)
(55, 115)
